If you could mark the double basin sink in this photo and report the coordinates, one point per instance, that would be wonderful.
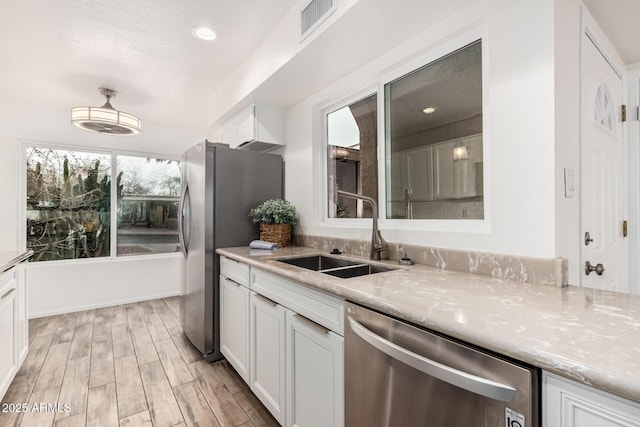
(337, 267)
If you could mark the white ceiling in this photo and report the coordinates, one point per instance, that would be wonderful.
(619, 21)
(56, 53)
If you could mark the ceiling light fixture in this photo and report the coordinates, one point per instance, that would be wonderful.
(429, 110)
(203, 33)
(105, 119)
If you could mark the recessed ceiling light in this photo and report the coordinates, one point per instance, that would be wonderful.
(429, 110)
(203, 32)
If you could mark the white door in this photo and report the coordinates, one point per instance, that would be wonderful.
(602, 172)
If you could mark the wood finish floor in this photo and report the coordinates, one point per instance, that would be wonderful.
(128, 365)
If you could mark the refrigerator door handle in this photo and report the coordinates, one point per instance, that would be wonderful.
(464, 380)
(184, 226)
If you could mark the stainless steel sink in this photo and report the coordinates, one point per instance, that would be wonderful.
(336, 267)
(357, 271)
(318, 262)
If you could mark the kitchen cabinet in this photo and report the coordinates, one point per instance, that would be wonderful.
(234, 315)
(296, 336)
(262, 125)
(457, 166)
(22, 327)
(566, 403)
(315, 384)
(411, 178)
(8, 328)
(267, 354)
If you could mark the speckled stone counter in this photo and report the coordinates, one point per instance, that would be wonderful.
(588, 335)
(9, 259)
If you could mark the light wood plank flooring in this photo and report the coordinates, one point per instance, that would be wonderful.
(128, 365)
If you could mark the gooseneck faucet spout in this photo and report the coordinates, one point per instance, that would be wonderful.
(378, 244)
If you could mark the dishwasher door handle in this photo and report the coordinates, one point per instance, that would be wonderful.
(464, 380)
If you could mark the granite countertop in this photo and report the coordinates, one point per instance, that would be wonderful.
(588, 335)
(9, 259)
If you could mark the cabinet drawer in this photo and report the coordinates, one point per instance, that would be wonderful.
(323, 309)
(234, 270)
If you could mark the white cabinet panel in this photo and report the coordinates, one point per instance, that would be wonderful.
(461, 177)
(267, 354)
(255, 123)
(322, 308)
(8, 328)
(234, 325)
(570, 404)
(315, 391)
(420, 170)
(22, 327)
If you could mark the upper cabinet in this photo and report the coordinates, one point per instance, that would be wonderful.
(256, 128)
(458, 168)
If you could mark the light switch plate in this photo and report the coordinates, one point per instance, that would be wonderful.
(569, 182)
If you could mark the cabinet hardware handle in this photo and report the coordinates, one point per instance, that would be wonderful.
(265, 299)
(312, 324)
(6, 294)
(448, 374)
(232, 281)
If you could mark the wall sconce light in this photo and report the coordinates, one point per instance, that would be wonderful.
(460, 151)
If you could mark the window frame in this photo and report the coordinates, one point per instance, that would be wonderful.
(377, 86)
(323, 157)
(114, 153)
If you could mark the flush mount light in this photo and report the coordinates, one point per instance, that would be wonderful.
(203, 32)
(429, 110)
(105, 119)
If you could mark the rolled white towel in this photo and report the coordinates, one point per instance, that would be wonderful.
(260, 244)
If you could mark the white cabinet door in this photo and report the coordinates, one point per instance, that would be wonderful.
(234, 325)
(8, 326)
(228, 134)
(569, 404)
(420, 173)
(456, 178)
(267, 354)
(315, 392)
(246, 125)
(444, 181)
(468, 172)
(22, 327)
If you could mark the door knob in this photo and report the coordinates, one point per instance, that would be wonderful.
(598, 268)
(587, 238)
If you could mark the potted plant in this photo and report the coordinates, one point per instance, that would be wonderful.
(275, 216)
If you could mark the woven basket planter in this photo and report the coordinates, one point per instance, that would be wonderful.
(276, 233)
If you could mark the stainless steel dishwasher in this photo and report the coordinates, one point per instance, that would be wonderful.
(397, 374)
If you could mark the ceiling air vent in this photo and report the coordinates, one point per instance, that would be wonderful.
(312, 14)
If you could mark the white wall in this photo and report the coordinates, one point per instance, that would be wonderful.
(567, 29)
(519, 137)
(62, 286)
(70, 286)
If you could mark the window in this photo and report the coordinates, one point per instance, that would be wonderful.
(433, 144)
(434, 152)
(352, 157)
(68, 204)
(148, 198)
(69, 209)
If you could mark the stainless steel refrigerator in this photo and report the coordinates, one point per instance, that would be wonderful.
(220, 186)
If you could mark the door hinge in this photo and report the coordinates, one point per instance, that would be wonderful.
(625, 230)
(623, 113)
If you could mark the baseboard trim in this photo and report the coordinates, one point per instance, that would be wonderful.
(102, 305)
